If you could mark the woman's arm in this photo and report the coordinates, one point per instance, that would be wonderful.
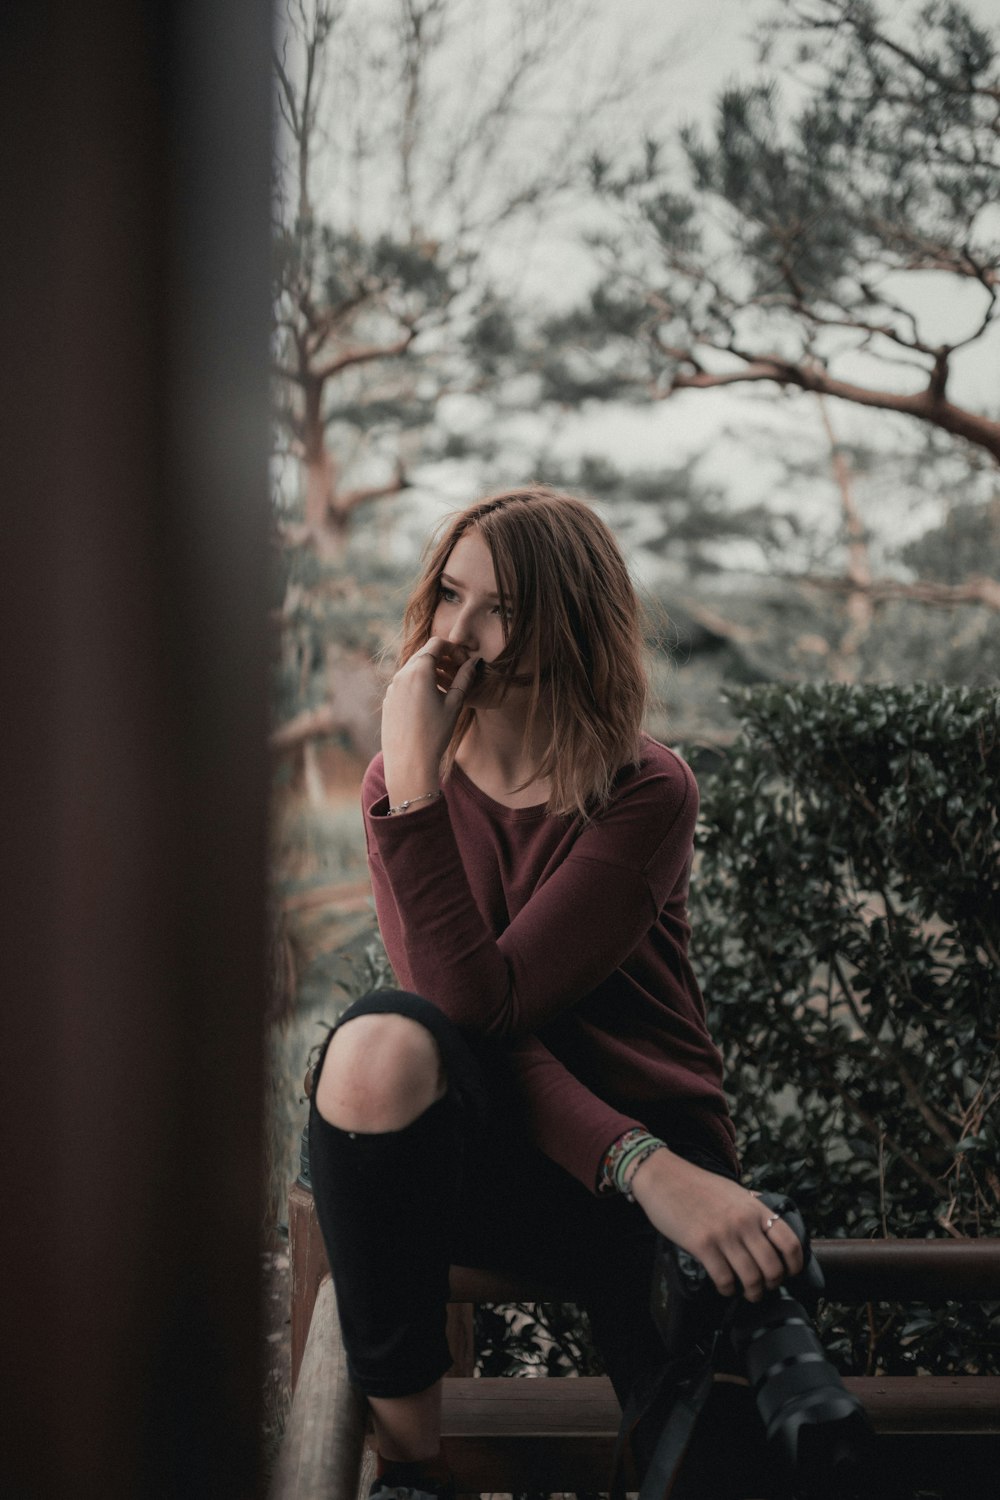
(579, 925)
(711, 1216)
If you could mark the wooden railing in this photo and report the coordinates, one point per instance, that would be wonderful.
(557, 1435)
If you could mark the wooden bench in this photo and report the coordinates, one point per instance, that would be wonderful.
(554, 1436)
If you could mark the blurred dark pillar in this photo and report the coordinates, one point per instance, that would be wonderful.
(134, 284)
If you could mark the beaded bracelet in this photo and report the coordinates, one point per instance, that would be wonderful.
(623, 1158)
(424, 797)
(635, 1161)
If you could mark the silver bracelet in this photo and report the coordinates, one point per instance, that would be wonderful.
(424, 797)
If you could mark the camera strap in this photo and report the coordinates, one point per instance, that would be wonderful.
(676, 1435)
(690, 1393)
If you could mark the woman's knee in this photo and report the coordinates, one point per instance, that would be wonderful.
(381, 1071)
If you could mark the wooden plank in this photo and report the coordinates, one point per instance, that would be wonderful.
(508, 1436)
(556, 1408)
(558, 1435)
(321, 1452)
(541, 1407)
(910, 1270)
(308, 1266)
(954, 1404)
(855, 1271)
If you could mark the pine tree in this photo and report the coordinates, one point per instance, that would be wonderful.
(785, 251)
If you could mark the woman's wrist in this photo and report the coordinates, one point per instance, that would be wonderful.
(649, 1176)
(411, 784)
(412, 802)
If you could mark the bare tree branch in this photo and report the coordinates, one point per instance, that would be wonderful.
(977, 589)
(717, 624)
(861, 325)
(926, 254)
(353, 499)
(364, 354)
(311, 724)
(929, 405)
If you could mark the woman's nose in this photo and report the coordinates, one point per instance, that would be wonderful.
(463, 629)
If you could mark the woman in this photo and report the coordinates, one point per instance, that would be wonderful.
(542, 1093)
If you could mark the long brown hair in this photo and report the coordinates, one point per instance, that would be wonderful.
(575, 634)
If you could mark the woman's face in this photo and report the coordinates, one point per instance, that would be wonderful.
(468, 611)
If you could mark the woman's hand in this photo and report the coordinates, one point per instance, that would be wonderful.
(718, 1222)
(421, 705)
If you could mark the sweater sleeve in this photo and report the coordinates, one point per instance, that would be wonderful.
(565, 1120)
(582, 921)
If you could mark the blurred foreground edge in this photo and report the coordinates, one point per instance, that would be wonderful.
(134, 309)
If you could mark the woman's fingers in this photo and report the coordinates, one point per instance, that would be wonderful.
(785, 1243)
(766, 1256)
(751, 1265)
(419, 711)
(743, 1261)
(720, 1270)
(461, 682)
(735, 1236)
(441, 657)
(770, 1264)
(421, 706)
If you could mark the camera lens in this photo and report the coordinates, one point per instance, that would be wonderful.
(808, 1414)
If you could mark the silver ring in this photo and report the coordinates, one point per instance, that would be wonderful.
(771, 1223)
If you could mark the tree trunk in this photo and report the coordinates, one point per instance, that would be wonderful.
(327, 523)
(331, 543)
(312, 775)
(317, 457)
(858, 606)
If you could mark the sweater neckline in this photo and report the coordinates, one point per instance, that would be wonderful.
(500, 810)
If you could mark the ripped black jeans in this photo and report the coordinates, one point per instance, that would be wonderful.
(462, 1185)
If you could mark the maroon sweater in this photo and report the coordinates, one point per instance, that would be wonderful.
(566, 939)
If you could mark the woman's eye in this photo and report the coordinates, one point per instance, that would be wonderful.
(449, 596)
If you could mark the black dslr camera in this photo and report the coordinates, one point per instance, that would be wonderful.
(818, 1430)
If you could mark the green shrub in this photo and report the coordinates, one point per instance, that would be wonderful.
(846, 919)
